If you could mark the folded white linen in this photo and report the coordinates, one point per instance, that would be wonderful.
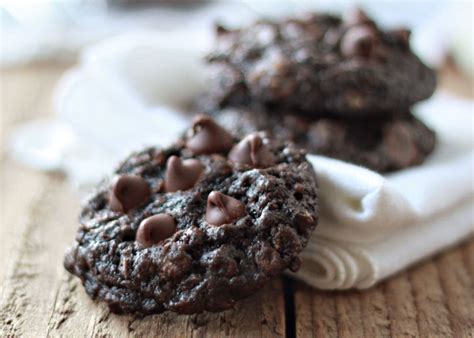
(365, 236)
(336, 264)
(371, 225)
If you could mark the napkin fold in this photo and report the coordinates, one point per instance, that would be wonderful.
(371, 226)
(371, 231)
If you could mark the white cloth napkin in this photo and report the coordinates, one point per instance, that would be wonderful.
(127, 93)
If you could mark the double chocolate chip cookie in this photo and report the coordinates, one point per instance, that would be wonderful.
(196, 226)
(319, 65)
(381, 144)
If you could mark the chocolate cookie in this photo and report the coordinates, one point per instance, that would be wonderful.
(381, 144)
(319, 65)
(197, 226)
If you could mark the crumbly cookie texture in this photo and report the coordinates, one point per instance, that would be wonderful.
(197, 226)
(381, 144)
(319, 65)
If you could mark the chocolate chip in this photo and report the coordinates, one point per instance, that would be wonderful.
(207, 137)
(220, 29)
(128, 192)
(401, 36)
(357, 17)
(252, 151)
(303, 222)
(299, 190)
(222, 209)
(358, 41)
(154, 229)
(182, 174)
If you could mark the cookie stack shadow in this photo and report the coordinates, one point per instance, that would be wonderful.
(339, 87)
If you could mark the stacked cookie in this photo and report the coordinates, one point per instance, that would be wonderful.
(340, 87)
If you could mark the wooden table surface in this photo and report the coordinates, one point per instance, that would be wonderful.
(39, 298)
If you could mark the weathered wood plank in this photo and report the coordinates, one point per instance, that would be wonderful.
(374, 312)
(30, 291)
(459, 291)
(401, 306)
(14, 200)
(340, 314)
(348, 314)
(23, 94)
(430, 300)
(315, 312)
(468, 258)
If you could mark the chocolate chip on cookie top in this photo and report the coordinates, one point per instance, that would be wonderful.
(182, 174)
(154, 229)
(222, 209)
(318, 65)
(207, 137)
(197, 226)
(253, 151)
(357, 17)
(127, 192)
(359, 41)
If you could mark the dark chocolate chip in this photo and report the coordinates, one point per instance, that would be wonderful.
(128, 192)
(222, 209)
(182, 174)
(154, 229)
(358, 41)
(299, 190)
(357, 17)
(304, 221)
(220, 29)
(402, 36)
(207, 137)
(252, 151)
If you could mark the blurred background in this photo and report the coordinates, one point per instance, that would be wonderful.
(52, 30)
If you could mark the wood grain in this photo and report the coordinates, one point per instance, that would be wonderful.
(39, 298)
(458, 288)
(401, 307)
(430, 300)
(315, 312)
(433, 299)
